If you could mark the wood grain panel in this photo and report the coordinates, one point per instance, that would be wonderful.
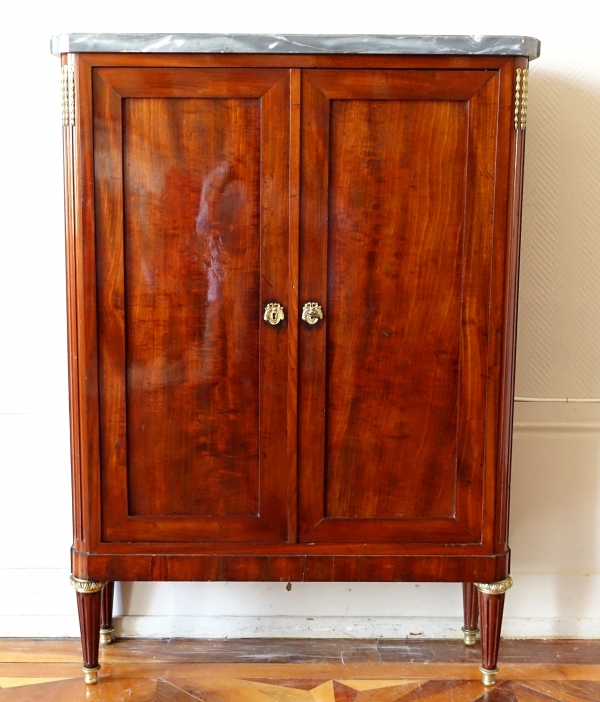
(396, 249)
(265, 568)
(190, 82)
(157, 60)
(192, 259)
(108, 191)
(419, 85)
(394, 302)
(192, 223)
(287, 549)
(293, 312)
(312, 287)
(87, 485)
(484, 170)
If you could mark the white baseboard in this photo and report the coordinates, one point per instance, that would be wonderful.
(38, 626)
(556, 418)
(342, 627)
(228, 627)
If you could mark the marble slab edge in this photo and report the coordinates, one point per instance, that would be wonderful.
(296, 44)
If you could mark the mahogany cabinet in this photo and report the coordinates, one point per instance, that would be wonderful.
(292, 282)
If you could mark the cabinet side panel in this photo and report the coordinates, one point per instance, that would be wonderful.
(83, 283)
(512, 156)
(69, 168)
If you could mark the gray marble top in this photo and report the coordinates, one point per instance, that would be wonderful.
(296, 44)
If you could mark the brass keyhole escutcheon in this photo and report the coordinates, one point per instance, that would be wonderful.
(274, 313)
(312, 312)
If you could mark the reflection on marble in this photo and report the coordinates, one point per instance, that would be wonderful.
(296, 44)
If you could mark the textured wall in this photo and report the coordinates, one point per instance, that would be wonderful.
(559, 313)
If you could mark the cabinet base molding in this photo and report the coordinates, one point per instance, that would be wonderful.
(293, 568)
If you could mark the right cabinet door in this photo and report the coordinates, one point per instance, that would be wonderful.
(399, 173)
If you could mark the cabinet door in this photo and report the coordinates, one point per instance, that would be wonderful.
(191, 198)
(397, 214)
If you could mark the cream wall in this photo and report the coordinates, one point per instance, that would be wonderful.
(557, 444)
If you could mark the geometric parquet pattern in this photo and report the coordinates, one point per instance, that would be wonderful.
(305, 690)
(358, 690)
(316, 672)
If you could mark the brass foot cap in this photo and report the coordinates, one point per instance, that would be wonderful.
(488, 676)
(90, 675)
(470, 636)
(106, 636)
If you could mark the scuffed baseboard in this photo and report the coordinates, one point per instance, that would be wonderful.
(229, 627)
(226, 627)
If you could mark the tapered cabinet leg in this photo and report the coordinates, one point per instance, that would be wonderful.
(471, 613)
(89, 602)
(106, 626)
(491, 606)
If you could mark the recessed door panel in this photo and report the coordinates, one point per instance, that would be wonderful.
(396, 229)
(393, 298)
(192, 257)
(191, 216)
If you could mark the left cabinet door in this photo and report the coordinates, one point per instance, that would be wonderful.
(191, 236)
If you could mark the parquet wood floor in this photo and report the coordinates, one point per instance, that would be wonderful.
(298, 671)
